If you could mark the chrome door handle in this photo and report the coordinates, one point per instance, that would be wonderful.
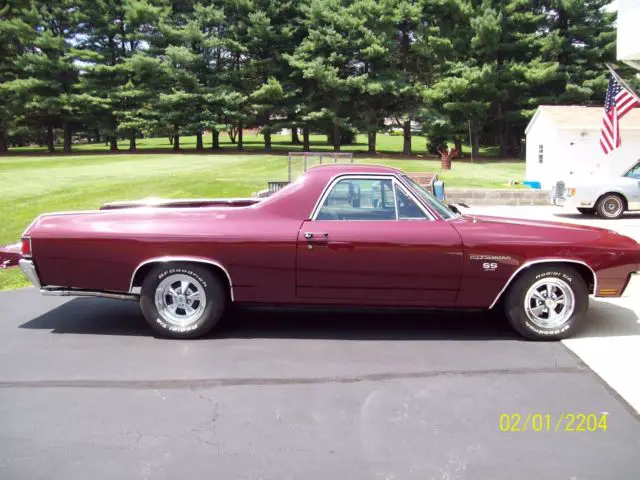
(310, 235)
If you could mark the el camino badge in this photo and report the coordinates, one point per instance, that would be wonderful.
(490, 262)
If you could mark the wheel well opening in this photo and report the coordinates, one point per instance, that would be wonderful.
(585, 272)
(625, 204)
(215, 270)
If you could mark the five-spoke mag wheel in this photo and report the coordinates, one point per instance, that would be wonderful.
(180, 299)
(549, 302)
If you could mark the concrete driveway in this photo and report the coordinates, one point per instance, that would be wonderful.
(610, 342)
(87, 392)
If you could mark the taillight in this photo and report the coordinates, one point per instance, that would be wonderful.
(26, 247)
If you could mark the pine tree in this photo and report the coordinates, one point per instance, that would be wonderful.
(15, 37)
(47, 79)
(114, 31)
(324, 59)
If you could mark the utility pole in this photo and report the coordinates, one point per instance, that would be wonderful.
(470, 141)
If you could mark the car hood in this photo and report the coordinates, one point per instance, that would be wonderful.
(539, 232)
(604, 180)
(521, 222)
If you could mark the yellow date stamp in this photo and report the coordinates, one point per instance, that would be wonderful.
(561, 422)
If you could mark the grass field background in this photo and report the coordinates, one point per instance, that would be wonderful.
(32, 185)
(386, 144)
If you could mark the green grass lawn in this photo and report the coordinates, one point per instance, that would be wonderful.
(32, 185)
(387, 144)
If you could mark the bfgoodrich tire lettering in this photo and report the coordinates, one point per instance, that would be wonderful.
(182, 300)
(547, 302)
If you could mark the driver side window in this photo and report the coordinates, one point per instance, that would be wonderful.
(407, 207)
(360, 199)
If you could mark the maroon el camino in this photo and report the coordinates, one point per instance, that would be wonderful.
(341, 235)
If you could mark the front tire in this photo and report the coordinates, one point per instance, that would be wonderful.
(610, 206)
(547, 302)
(182, 300)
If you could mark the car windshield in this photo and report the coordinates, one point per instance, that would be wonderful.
(634, 172)
(430, 199)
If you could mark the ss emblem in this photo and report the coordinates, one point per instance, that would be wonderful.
(489, 266)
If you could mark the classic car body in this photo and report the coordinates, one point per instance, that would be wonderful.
(353, 235)
(609, 196)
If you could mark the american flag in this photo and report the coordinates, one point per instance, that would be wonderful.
(618, 103)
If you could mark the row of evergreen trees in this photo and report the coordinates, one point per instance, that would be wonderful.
(122, 68)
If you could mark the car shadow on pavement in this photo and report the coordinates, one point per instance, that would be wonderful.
(606, 319)
(97, 316)
(112, 317)
(335, 324)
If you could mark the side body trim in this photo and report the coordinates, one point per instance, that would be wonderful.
(545, 260)
(135, 290)
(65, 292)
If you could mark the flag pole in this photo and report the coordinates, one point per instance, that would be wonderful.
(622, 82)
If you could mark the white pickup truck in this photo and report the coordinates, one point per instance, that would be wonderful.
(607, 196)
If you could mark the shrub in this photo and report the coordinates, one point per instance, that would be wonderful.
(434, 142)
(347, 136)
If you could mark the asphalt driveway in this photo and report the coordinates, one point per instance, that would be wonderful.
(87, 392)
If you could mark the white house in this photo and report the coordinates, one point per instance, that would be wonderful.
(628, 46)
(565, 140)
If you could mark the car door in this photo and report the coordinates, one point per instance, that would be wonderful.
(633, 190)
(371, 243)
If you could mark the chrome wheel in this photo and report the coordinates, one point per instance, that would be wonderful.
(180, 300)
(612, 206)
(549, 303)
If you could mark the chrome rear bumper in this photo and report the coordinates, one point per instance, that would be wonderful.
(29, 271)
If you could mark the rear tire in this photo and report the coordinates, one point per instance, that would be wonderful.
(182, 300)
(611, 206)
(547, 302)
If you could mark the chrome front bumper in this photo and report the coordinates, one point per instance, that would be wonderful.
(29, 271)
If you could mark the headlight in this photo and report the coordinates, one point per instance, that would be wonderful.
(571, 192)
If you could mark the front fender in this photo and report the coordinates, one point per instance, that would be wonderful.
(606, 190)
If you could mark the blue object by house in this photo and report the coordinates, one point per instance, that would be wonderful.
(438, 190)
(531, 184)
